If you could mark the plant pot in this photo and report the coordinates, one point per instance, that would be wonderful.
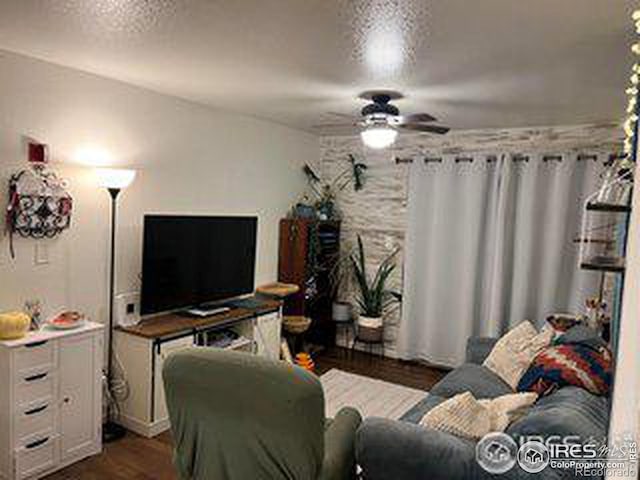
(370, 329)
(369, 322)
(341, 312)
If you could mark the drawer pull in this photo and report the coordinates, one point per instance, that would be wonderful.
(33, 378)
(36, 344)
(37, 443)
(33, 411)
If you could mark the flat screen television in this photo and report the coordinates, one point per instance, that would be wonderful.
(189, 261)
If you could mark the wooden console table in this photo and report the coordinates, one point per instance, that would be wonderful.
(141, 350)
(175, 324)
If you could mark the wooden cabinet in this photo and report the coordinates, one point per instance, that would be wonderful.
(80, 396)
(51, 401)
(308, 251)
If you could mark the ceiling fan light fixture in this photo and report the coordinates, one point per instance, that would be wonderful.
(378, 137)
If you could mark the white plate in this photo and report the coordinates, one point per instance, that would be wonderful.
(66, 326)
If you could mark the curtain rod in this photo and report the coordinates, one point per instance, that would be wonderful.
(515, 158)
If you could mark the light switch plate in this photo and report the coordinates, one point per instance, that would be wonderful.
(127, 309)
(41, 253)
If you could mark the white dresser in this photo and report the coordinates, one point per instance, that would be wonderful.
(50, 400)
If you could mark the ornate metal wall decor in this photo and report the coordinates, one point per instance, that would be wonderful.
(39, 205)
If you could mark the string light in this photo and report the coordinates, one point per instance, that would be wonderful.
(631, 123)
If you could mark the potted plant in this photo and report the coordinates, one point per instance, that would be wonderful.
(372, 296)
(325, 192)
(341, 310)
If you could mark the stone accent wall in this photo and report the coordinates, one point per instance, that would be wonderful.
(378, 212)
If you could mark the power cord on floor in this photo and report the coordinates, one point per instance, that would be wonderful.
(117, 390)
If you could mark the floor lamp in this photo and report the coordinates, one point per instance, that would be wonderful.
(114, 180)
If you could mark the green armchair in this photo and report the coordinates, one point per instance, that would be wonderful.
(236, 416)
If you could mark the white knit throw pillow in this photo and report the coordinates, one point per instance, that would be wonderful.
(461, 415)
(466, 417)
(514, 352)
(508, 408)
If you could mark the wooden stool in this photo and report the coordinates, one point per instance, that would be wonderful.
(295, 327)
(281, 291)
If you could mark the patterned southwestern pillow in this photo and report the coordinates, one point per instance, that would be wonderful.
(573, 364)
(561, 322)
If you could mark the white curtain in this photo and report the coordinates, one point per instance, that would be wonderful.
(490, 244)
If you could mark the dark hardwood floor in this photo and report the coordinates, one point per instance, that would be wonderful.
(410, 374)
(138, 458)
(131, 458)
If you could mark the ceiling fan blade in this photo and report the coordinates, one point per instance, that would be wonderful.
(336, 125)
(415, 118)
(342, 115)
(440, 130)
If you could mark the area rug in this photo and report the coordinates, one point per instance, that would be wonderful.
(371, 397)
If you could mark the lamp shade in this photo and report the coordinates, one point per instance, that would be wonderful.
(379, 136)
(117, 178)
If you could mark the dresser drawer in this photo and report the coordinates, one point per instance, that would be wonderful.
(34, 354)
(34, 417)
(33, 385)
(36, 457)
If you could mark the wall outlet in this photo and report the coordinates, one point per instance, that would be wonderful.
(127, 309)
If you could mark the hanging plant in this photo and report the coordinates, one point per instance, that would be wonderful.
(358, 169)
(326, 192)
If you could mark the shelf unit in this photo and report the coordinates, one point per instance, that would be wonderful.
(242, 342)
(603, 238)
(608, 207)
(602, 247)
(616, 266)
(308, 252)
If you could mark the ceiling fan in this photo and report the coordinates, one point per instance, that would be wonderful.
(380, 120)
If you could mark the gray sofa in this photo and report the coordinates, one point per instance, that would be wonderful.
(404, 450)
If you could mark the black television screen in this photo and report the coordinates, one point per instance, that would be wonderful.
(193, 260)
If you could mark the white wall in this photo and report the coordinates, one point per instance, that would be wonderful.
(190, 159)
(625, 413)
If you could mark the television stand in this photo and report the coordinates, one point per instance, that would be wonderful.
(204, 312)
(143, 348)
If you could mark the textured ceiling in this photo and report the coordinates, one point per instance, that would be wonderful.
(482, 63)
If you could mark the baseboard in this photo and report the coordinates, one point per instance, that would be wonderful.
(148, 430)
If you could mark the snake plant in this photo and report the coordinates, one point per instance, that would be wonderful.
(372, 296)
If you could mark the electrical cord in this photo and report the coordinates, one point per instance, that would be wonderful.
(119, 385)
(117, 390)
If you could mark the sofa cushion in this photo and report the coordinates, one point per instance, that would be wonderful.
(568, 411)
(386, 449)
(479, 348)
(469, 377)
